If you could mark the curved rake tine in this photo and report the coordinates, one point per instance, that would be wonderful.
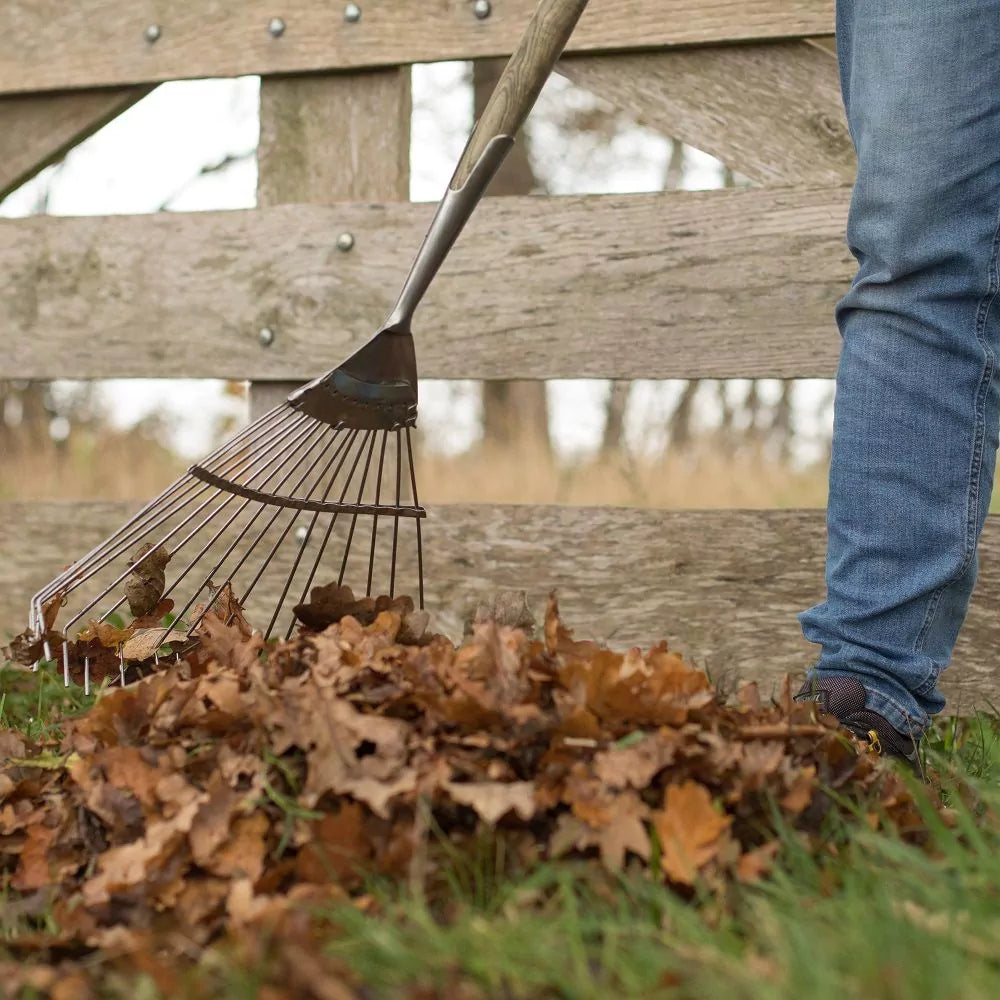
(133, 527)
(162, 541)
(244, 532)
(343, 450)
(138, 529)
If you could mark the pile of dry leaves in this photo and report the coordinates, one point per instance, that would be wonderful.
(230, 790)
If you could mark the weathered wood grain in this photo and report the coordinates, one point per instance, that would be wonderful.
(36, 130)
(725, 586)
(712, 284)
(51, 44)
(770, 111)
(330, 138)
(335, 137)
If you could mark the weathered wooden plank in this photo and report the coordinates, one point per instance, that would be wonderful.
(770, 111)
(725, 586)
(711, 284)
(49, 44)
(36, 130)
(826, 43)
(335, 137)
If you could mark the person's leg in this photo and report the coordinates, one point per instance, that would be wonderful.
(916, 415)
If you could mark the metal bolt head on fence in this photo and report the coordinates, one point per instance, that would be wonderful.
(276, 26)
(352, 13)
(345, 242)
(152, 33)
(482, 9)
(265, 336)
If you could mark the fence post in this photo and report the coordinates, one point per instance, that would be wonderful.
(334, 137)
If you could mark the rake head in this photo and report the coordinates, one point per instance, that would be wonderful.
(321, 488)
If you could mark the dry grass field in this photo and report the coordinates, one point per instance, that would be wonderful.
(113, 465)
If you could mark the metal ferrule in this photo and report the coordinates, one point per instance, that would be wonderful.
(453, 213)
(376, 387)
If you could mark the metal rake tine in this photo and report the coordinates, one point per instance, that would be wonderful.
(316, 562)
(243, 533)
(275, 435)
(378, 500)
(137, 528)
(416, 503)
(275, 459)
(288, 527)
(298, 556)
(343, 450)
(133, 527)
(354, 516)
(328, 532)
(246, 528)
(183, 524)
(395, 520)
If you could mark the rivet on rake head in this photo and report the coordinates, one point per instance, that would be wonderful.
(276, 26)
(345, 242)
(266, 336)
(482, 9)
(352, 13)
(152, 33)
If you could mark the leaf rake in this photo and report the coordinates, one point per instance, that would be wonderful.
(289, 497)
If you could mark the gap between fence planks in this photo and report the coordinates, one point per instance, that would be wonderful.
(50, 44)
(36, 130)
(718, 284)
(771, 111)
(330, 138)
(725, 586)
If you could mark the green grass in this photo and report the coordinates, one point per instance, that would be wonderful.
(38, 703)
(880, 919)
(874, 918)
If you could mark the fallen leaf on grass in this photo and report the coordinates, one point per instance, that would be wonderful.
(690, 829)
(219, 795)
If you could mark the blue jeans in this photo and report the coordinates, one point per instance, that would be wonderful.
(918, 395)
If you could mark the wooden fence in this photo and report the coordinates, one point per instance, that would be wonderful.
(723, 284)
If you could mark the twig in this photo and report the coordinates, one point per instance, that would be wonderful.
(779, 732)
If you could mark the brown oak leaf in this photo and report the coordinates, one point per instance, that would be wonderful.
(690, 830)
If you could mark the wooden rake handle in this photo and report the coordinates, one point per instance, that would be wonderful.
(519, 86)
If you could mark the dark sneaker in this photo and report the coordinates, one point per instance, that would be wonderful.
(844, 698)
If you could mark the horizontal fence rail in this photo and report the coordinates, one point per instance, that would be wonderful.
(51, 44)
(719, 284)
(723, 586)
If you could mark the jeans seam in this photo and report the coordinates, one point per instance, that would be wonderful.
(976, 464)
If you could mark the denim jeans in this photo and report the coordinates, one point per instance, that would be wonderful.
(918, 395)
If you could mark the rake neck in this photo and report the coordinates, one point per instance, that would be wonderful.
(453, 213)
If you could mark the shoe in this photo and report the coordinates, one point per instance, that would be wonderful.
(844, 698)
